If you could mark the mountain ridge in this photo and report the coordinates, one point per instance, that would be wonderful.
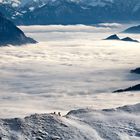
(134, 29)
(76, 12)
(83, 124)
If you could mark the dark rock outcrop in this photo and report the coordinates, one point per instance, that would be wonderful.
(133, 88)
(137, 71)
(12, 35)
(113, 37)
(129, 39)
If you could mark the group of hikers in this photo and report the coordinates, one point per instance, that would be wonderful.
(59, 113)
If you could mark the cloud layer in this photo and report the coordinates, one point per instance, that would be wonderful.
(70, 68)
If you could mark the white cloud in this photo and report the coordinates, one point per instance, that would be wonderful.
(111, 25)
(71, 67)
(61, 28)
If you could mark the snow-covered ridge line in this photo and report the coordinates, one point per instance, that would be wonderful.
(84, 124)
(30, 12)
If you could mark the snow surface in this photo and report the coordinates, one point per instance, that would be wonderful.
(83, 124)
(14, 3)
(71, 68)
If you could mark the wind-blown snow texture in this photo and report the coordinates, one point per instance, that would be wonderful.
(84, 124)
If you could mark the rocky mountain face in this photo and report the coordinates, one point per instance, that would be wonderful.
(7, 10)
(130, 89)
(60, 12)
(115, 37)
(72, 11)
(136, 71)
(12, 35)
(134, 29)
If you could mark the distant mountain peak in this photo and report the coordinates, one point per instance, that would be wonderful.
(12, 35)
(129, 39)
(113, 37)
(76, 11)
(134, 29)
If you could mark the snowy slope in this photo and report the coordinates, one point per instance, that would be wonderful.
(13, 3)
(85, 124)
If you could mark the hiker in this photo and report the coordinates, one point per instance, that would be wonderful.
(59, 114)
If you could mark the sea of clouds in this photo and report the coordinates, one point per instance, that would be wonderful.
(71, 67)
